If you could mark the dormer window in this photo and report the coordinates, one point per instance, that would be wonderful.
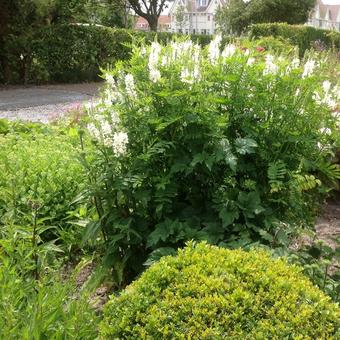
(202, 3)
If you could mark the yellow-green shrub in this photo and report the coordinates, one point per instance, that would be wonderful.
(208, 292)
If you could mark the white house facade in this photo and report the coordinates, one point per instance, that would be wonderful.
(325, 16)
(194, 16)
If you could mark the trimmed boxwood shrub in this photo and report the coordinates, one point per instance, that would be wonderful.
(206, 292)
(302, 36)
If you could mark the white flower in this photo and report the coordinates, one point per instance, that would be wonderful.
(295, 63)
(155, 75)
(246, 52)
(188, 76)
(130, 86)
(250, 61)
(153, 61)
(108, 97)
(106, 128)
(308, 68)
(297, 93)
(326, 85)
(326, 131)
(197, 54)
(270, 67)
(214, 49)
(114, 117)
(229, 51)
(93, 131)
(174, 50)
(327, 100)
(110, 80)
(164, 61)
(120, 141)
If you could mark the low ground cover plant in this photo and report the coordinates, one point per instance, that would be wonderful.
(229, 145)
(41, 178)
(48, 308)
(208, 292)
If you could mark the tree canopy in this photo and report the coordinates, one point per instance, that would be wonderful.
(237, 15)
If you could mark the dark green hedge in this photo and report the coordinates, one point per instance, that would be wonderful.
(302, 36)
(70, 53)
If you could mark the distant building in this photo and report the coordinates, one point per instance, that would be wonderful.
(164, 24)
(325, 16)
(194, 16)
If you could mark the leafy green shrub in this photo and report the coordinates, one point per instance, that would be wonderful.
(70, 53)
(302, 36)
(228, 147)
(212, 293)
(275, 45)
(40, 177)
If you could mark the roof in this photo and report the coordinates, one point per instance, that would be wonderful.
(162, 20)
(333, 10)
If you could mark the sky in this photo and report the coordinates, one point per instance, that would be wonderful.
(331, 2)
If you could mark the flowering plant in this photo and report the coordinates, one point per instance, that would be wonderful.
(228, 145)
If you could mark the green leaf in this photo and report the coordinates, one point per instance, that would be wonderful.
(228, 216)
(157, 254)
(229, 157)
(91, 231)
(250, 203)
(162, 232)
(245, 145)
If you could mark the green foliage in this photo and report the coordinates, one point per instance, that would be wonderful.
(302, 36)
(40, 178)
(237, 15)
(50, 308)
(318, 263)
(21, 21)
(207, 292)
(45, 55)
(194, 144)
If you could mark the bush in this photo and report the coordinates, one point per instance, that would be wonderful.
(72, 53)
(40, 177)
(212, 293)
(302, 36)
(231, 148)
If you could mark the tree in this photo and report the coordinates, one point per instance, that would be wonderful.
(180, 17)
(237, 15)
(150, 10)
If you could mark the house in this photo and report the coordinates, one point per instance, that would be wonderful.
(194, 16)
(325, 16)
(164, 24)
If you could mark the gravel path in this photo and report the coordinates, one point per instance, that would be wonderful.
(44, 103)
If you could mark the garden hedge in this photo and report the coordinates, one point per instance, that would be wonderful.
(208, 292)
(304, 37)
(71, 53)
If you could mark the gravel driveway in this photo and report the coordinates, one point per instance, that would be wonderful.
(44, 103)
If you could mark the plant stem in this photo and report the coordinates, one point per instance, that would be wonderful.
(34, 243)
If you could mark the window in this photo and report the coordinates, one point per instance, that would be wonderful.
(201, 3)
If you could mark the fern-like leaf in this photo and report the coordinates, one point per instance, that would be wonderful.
(276, 174)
